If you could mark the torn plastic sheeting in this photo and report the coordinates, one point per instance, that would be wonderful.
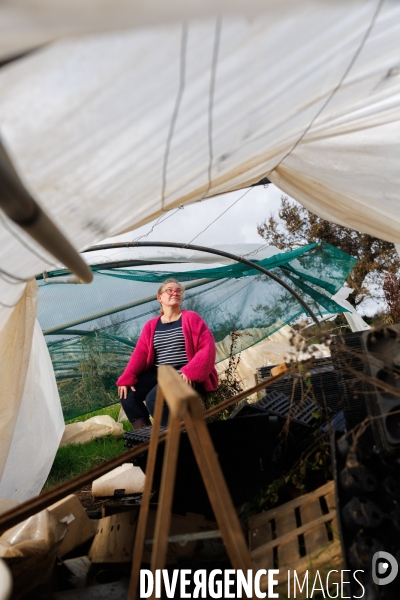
(184, 258)
(112, 129)
(86, 431)
(355, 320)
(30, 550)
(26, 26)
(273, 350)
(37, 535)
(31, 415)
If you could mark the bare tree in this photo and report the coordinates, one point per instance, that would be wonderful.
(298, 226)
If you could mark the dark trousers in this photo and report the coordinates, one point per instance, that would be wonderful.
(146, 391)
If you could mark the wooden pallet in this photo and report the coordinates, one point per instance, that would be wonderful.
(299, 535)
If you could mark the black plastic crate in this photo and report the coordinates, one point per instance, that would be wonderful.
(348, 359)
(276, 403)
(138, 436)
(244, 448)
(324, 391)
(382, 367)
(367, 486)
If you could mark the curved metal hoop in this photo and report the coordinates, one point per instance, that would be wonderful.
(211, 251)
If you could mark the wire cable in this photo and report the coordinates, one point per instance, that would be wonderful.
(334, 91)
(181, 89)
(217, 39)
(219, 216)
(338, 86)
(158, 222)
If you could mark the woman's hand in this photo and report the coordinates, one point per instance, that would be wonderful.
(186, 379)
(123, 391)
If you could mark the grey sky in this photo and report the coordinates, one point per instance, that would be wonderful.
(238, 224)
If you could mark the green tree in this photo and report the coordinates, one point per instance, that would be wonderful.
(298, 226)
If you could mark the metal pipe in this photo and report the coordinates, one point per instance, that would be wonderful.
(105, 313)
(21, 208)
(117, 264)
(34, 505)
(71, 279)
(218, 253)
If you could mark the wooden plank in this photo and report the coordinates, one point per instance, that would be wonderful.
(331, 502)
(287, 537)
(257, 520)
(176, 392)
(144, 508)
(330, 556)
(319, 548)
(217, 490)
(260, 536)
(317, 537)
(113, 541)
(288, 551)
(166, 494)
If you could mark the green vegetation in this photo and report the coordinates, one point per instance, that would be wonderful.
(297, 226)
(74, 459)
(112, 411)
(86, 375)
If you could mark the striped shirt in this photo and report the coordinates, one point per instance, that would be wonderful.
(169, 344)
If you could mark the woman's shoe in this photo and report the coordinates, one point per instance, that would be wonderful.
(139, 423)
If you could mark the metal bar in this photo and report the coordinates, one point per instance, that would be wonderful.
(234, 257)
(34, 505)
(21, 208)
(117, 264)
(105, 313)
(144, 507)
(164, 509)
(67, 281)
(77, 332)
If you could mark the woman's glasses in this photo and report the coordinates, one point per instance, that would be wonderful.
(177, 291)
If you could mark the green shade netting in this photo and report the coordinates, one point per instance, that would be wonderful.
(91, 330)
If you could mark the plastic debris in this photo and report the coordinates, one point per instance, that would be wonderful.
(70, 511)
(127, 477)
(95, 427)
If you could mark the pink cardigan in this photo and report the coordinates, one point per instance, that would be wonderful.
(200, 349)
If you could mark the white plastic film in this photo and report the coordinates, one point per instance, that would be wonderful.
(108, 131)
(37, 424)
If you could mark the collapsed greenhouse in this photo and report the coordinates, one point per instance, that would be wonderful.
(231, 298)
(114, 114)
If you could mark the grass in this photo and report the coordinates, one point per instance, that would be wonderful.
(74, 459)
(112, 411)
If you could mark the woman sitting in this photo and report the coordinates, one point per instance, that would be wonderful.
(179, 338)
